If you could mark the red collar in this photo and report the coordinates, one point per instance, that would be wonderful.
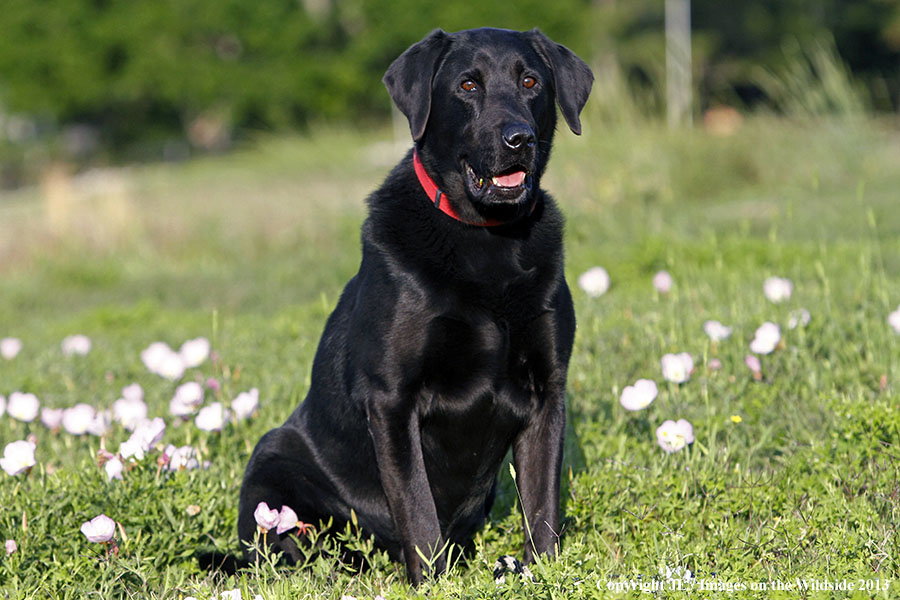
(436, 196)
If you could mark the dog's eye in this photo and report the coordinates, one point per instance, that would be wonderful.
(468, 85)
(528, 82)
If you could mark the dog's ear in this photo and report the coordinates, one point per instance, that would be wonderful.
(408, 80)
(572, 78)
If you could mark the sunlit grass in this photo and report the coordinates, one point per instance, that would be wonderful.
(252, 249)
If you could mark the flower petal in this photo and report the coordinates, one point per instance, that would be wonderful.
(265, 517)
(595, 281)
(99, 529)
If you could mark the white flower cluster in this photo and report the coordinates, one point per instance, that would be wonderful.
(161, 360)
(130, 410)
(677, 368)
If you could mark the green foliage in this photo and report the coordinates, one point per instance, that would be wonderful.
(736, 39)
(251, 250)
(145, 74)
(149, 69)
(133, 66)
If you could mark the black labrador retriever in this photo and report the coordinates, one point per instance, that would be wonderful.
(451, 343)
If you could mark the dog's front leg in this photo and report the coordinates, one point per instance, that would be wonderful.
(537, 455)
(538, 448)
(394, 427)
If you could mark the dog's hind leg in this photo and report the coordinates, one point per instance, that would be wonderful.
(275, 475)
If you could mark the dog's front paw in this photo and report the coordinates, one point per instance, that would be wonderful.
(510, 564)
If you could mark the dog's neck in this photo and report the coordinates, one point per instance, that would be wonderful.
(437, 197)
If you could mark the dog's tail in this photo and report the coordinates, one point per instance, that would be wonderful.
(220, 562)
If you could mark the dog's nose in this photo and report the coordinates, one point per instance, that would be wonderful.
(518, 135)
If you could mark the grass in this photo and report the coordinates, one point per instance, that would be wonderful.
(251, 250)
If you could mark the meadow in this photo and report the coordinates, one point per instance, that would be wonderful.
(789, 489)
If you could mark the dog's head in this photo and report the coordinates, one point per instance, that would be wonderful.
(480, 105)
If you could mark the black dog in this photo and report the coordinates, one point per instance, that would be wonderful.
(451, 343)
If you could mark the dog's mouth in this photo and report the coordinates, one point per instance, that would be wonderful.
(507, 185)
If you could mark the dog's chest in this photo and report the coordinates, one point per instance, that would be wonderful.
(478, 392)
(484, 338)
(481, 354)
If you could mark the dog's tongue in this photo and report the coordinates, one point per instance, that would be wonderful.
(510, 180)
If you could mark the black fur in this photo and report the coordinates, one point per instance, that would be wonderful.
(451, 343)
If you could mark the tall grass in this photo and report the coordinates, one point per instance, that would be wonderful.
(813, 82)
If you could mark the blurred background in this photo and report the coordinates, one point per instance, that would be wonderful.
(110, 81)
(98, 96)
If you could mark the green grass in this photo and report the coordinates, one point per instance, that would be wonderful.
(251, 250)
